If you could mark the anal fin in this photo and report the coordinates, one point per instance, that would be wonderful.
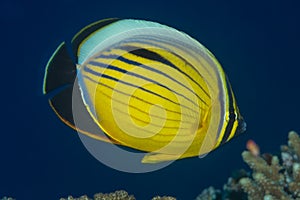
(68, 101)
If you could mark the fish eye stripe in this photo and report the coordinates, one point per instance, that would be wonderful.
(232, 116)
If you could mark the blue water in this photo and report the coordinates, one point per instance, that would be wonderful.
(257, 43)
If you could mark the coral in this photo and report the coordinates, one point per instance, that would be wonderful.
(209, 194)
(163, 198)
(273, 177)
(294, 144)
(117, 195)
(248, 185)
(267, 179)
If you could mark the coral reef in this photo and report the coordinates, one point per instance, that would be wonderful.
(117, 195)
(273, 177)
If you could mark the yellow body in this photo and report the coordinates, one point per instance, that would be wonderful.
(142, 120)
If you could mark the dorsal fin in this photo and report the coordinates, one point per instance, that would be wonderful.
(88, 30)
(60, 70)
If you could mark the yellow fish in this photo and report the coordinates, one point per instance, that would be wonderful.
(146, 86)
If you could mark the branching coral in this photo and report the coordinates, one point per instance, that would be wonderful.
(272, 178)
(267, 179)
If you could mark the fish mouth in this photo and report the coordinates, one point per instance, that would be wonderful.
(241, 126)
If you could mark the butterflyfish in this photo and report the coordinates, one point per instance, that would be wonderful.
(145, 86)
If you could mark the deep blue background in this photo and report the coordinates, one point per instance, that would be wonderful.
(256, 41)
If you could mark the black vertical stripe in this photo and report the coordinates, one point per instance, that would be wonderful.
(232, 115)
